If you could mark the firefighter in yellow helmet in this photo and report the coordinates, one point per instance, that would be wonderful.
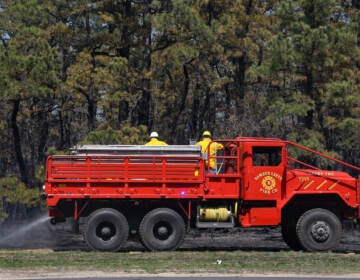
(154, 140)
(209, 150)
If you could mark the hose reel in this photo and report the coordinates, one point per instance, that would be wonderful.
(214, 214)
(215, 217)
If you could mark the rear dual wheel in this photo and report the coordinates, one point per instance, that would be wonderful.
(162, 229)
(107, 230)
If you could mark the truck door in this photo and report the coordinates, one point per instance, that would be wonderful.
(263, 173)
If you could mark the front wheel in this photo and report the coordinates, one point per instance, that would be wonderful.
(319, 230)
(107, 229)
(162, 229)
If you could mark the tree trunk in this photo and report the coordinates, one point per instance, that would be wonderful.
(91, 112)
(123, 111)
(182, 103)
(17, 142)
(142, 110)
(43, 137)
(195, 124)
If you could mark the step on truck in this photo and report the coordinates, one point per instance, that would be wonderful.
(159, 193)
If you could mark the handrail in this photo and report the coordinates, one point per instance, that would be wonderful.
(303, 163)
(322, 155)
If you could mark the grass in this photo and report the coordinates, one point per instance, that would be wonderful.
(184, 261)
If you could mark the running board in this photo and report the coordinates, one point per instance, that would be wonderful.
(214, 225)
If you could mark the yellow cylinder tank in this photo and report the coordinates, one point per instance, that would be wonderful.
(214, 214)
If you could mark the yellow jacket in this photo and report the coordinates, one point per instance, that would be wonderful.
(155, 142)
(204, 144)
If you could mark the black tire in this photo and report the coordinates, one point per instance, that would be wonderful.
(290, 237)
(162, 229)
(106, 230)
(319, 230)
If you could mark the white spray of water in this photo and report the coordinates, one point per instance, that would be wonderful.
(26, 234)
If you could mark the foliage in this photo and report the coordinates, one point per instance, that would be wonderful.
(13, 194)
(314, 76)
(110, 72)
(127, 135)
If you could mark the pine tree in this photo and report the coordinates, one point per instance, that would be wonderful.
(29, 65)
(312, 65)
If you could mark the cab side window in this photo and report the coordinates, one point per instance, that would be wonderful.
(266, 156)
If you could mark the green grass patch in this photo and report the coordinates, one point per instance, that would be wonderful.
(183, 261)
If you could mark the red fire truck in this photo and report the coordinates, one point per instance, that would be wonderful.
(158, 193)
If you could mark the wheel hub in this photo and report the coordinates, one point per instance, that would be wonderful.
(162, 231)
(105, 231)
(320, 231)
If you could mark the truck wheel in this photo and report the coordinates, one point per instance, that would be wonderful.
(290, 237)
(106, 230)
(162, 229)
(319, 230)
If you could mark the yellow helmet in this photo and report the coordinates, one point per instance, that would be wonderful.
(206, 133)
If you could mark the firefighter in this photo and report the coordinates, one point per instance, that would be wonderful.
(154, 140)
(204, 144)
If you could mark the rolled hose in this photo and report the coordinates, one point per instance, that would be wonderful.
(214, 214)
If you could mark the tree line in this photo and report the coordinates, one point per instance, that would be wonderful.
(110, 72)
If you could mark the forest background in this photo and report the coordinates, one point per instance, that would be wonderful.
(110, 72)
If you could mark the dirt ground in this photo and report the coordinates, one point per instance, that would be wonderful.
(40, 234)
